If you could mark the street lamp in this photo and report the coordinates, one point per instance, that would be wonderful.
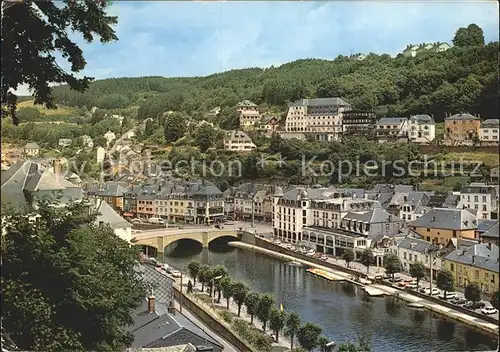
(213, 288)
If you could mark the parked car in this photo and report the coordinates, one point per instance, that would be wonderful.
(137, 221)
(422, 289)
(158, 221)
(324, 257)
(396, 279)
(458, 301)
(412, 285)
(219, 226)
(474, 305)
(449, 295)
(405, 283)
(176, 273)
(489, 310)
(166, 267)
(435, 291)
(277, 241)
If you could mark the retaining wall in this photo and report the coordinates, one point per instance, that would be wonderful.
(214, 324)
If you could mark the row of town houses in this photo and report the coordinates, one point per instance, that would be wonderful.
(457, 231)
(327, 119)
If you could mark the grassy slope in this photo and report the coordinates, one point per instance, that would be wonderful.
(60, 111)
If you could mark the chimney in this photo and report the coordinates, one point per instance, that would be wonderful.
(151, 304)
(57, 167)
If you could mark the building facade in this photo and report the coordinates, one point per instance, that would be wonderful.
(249, 114)
(478, 263)
(238, 141)
(422, 129)
(481, 198)
(461, 129)
(488, 132)
(392, 128)
(320, 118)
(440, 225)
(358, 122)
(31, 149)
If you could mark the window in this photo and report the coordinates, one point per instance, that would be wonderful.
(476, 199)
(477, 275)
(484, 208)
(404, 255)
(452, 267)
(484, 198)
(428, 230)
(454, 233)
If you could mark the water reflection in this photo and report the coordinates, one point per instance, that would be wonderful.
(445, 330)
(343, 310)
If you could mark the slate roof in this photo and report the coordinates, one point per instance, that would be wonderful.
(492, 232)
(391, 120)
(246, 103)
(373, 216)
(451, 201)
(444, 218)
(422, 119)
(465, 116)
(112, 190)
(482, 255)
(358, 192)
(478, 189)
(484, 225)
(309, 193)
(163, 284)
(416, 198)
(31, 145)
(415, 244)
(321, 102)
(27, 176)
(109, 216)
(490, 123)
(161, 329)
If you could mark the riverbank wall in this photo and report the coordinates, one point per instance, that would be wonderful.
(209, 318)
(483, 323)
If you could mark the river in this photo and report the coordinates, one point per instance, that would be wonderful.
(342, 309)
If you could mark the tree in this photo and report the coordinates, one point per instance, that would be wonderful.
(322, 342)
(348, 256)
(367, 259)
(495, 299)
(252, 302)
(292, 325)
(470, 36)
(204, 275)
(189, 287)
(149, 128)
(204, 137)
(34, 32)
(240, 291)
(445, 281)
(66, 273)
(193, 268)
(277, 319)
(392, 264)
(417, 270)
(227, 289)
(308, 336)
(219, 270)
(175, 127)
(28, 114)
(266, 302)
(362, 345)
(229, 119)
(473, 292)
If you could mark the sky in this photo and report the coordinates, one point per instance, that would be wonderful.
(192, 38)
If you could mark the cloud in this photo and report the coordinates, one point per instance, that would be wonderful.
(200, 38)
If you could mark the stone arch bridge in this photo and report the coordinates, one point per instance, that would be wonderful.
(160, 239)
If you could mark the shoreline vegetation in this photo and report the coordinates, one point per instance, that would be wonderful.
(243, 309)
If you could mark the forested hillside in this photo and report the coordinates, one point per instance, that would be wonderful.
(460, 79)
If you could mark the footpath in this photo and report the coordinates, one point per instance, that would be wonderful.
(283, 343)
(390, 291)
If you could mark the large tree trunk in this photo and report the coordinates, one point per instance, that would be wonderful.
(264, 327)
(291, 342)
(251, 318)
(276, 332)
(227, 303)
(218, 296)
(239, 309)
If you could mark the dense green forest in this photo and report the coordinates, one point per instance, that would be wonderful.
(463, 78)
